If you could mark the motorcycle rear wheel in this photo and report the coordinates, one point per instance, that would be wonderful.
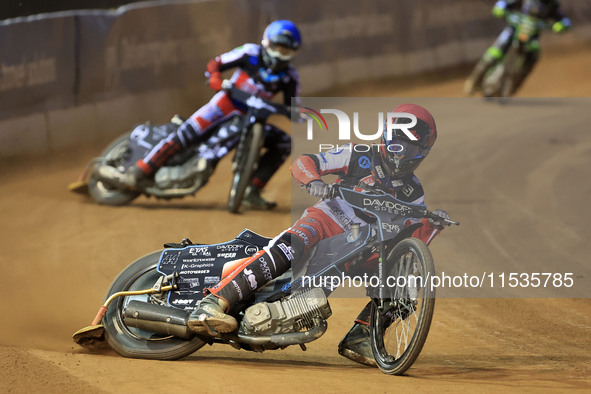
(491, 82)
(245, 164)
(399, 324)
(133, 342)
(104, 193)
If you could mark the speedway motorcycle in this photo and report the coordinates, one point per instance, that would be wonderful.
(145, 311)
(185, 173)
(505, 76)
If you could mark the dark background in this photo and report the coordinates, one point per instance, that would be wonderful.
(16, 8)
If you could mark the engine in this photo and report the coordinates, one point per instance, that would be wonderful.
(290, 314)
(181, 176)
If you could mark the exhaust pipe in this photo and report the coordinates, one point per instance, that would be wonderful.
(156, 318)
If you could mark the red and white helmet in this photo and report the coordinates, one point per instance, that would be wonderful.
(401, 155)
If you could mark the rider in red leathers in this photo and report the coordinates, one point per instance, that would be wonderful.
(381, 169)
(263, 70)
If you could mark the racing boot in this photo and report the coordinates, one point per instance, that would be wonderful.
(253, 200)
(130, 179)
(210, 318)
(356, 345)
(211, 315)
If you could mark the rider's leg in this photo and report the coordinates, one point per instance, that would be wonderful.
(533, 55)
(491, 56)
(240, 285)
(270, 263)
(356, 345)
(217, 146)
(192, 131)
(278, 148)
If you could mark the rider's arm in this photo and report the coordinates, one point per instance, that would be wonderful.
(214, 74)
(292, 88)
(502, 6)
(308, 168)
(226, 61)
(561, 22)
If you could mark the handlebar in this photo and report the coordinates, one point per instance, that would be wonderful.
(515, 18)
(434, 216)
(259, 103)
(334, 192)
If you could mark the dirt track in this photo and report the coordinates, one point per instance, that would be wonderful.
(60, 253)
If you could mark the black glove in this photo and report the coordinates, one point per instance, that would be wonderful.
(439, 223)
(296, 114)
(317, 189)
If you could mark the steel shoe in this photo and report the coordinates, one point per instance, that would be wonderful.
(130, 179)
(356, 345)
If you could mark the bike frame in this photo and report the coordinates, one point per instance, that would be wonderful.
(337, 250)
(384, 233)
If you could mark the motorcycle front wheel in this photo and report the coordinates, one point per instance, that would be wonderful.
(245, 164)
(514, 64)
(104, 193)
(133, 342)
(400, 321)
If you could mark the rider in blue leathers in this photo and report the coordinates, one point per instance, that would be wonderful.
(263, 70)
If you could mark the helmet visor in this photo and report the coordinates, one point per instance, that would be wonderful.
(279, 51)
(403, 148)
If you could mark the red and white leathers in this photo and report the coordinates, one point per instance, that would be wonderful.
(325, 219)
(328, 218)
(250, 76)
(333, 217)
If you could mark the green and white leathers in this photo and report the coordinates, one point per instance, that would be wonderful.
(526, 19)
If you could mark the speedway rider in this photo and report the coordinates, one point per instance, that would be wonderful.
(387, 171)
(547, 10)
(263, 70)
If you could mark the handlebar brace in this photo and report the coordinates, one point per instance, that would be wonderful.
(334, 192)
(261, 103)
(514, 18)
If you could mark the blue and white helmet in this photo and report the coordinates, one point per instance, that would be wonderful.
(281, 40)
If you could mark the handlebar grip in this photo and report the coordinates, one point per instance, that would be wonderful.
(431, 215)
(227, 84)
(331, 194)
(450, 222)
